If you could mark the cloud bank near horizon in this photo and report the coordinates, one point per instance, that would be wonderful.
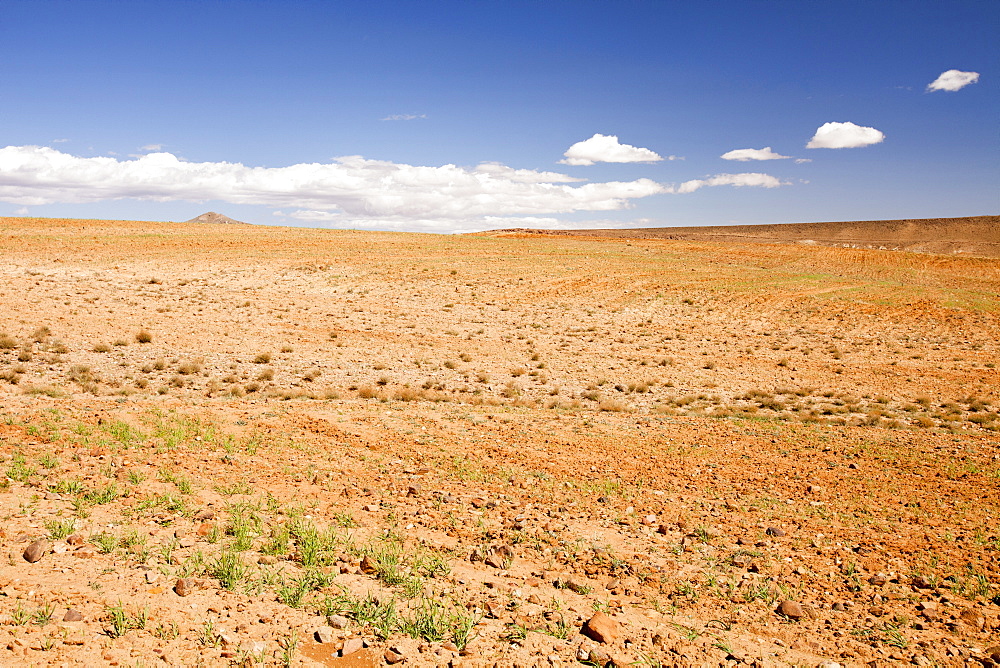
(349, 191)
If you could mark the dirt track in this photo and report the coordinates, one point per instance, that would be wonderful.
(459, 448)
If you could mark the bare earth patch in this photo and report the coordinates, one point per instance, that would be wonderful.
(236, 445)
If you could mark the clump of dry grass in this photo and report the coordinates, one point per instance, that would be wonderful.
(102, 348)
(367, 392)
(262, 358)
(7, 342)
(612, 405)
(190, 368)
(143, 336)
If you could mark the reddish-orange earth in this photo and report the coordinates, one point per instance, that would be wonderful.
(456, 450)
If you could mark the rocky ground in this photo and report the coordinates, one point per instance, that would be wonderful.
(971, 235)
(232, 445)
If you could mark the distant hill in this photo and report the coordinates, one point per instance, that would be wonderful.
(973, 235)
(213, 218)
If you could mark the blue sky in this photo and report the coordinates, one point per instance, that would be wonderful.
(454, 116)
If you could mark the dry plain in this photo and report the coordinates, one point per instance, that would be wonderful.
(225, 443)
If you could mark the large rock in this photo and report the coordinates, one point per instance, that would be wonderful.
(36, 551)
(791, 609)
(601, 628)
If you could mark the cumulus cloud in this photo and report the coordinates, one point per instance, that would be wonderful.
(753, 179)
(403, 117)
(744, 154)
(953, 80)
(500, 170)
(606, 148)
(353, 185)
(349, 191)
(844, 135)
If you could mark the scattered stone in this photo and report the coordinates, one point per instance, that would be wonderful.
(75, 539)
(791, 609)
(36, 551)
(414, 489)
(352, 645)
(478, 502)
(663, 529)
(392, 656)
(367, 566)
(253, 648)
(599, 657)
(73, 616)
(338, 621)
(185, 586)
(267, 559)
(994, 653)
(775, 531)
(601, 628)
(325, 635)
(85, 552)
(973, 618)
(205, 515)
(499, 557)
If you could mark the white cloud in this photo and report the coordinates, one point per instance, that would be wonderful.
(403, 117)
(953, 80)
(349, 192)
(605, 148)
(353, 185)
(59, 141)
(500, 170)
(23, 211)
(151, 147)
(800, 161)
(844, 135)
(754, 179)
(744, 154)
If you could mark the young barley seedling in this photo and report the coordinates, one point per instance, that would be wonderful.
(43, 615)
(288, 647)
(107, 543)
(59, 529)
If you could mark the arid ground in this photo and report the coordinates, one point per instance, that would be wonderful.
(972, 235)
(242, 445)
